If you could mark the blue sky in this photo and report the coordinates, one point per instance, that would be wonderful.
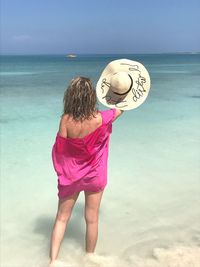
(99, 26)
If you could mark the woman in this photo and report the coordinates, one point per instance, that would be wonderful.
(80, 155)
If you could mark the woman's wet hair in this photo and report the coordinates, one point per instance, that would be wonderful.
(80, 99)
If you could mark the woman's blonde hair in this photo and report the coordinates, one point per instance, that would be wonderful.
(80, 99)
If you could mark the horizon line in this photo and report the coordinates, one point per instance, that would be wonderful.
(64, 54)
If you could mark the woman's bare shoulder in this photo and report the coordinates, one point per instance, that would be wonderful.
(64, 117)
(63, 125)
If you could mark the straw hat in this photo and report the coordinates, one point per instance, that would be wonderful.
(124, 84)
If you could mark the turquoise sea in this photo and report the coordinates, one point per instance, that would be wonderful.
(150, 215)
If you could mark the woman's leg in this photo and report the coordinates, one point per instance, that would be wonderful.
(63, 215)
(92, 204)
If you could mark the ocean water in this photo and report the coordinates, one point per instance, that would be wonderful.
(149, 215)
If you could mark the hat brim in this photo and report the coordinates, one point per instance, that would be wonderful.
(140, 87)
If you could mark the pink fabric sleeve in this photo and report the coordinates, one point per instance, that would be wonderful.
(108, 115)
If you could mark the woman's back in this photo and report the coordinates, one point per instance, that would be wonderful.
(73, 129)
(76, 159)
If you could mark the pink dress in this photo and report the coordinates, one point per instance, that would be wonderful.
(81, 163)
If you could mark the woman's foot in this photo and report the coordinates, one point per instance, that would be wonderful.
(93, 259)
(57, 263)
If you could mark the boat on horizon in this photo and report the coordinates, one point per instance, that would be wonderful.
(71, 55)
